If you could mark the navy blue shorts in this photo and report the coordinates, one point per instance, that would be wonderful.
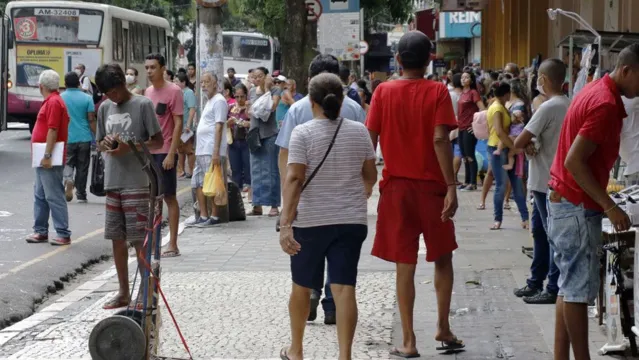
(168, 177)
(339, 245)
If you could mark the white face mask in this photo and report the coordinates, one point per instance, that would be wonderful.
(78, 71)
(540, 88)
(130, 79)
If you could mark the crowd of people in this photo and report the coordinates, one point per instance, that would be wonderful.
(288, 151)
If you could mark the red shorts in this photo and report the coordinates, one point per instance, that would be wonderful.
(408, 208)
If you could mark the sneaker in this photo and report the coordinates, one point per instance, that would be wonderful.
(542, 298)
(37, 238)
(82, 201)
(194, 220)
(526, 291)
(208, 223)
(469, 188)
(68, 190)
(61, 241)
(330, 318)
(314, 304)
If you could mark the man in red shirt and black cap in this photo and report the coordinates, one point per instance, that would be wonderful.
(412, 118)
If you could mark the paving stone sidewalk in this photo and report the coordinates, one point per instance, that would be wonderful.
(229, 293)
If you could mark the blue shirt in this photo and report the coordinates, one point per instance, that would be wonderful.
(302, 112)
(189, 103)
(79, 104)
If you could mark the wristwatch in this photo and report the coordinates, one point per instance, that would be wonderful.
(47, 156)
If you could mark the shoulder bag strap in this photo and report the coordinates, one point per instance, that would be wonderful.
(330, 147)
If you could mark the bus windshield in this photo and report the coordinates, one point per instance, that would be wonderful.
(241, 47)
(57, 25)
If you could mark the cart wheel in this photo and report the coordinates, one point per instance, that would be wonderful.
(117, 337)
(136, 315)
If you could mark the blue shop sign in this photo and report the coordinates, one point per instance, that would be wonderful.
(339, 6)
(462, 24)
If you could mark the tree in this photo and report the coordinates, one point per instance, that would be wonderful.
(286, 20)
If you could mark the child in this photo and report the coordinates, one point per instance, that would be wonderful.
(516, 128)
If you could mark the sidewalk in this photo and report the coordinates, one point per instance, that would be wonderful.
(229, 292)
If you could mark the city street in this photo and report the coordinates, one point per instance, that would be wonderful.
(229, 293)
(29, 272)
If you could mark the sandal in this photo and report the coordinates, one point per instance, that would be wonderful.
(451, 345)
(396, 352)
(496, 226)
(481, 207)
(507, 206)
(284, 354)
(116, 303)
(524, 225)
(274, 212)
(170, 254)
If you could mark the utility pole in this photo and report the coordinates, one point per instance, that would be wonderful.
(209, 58)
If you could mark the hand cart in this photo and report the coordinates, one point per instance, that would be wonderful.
(133, 333)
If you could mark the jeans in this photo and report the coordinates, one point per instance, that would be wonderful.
(543, 264)
(496, 162)
(78, 161)
(48, 192)
(575, 237)
(328, 304)
(265, 174)
(467, 143)
(240, 163)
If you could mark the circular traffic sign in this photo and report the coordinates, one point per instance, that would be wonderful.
(363, 47)
(313, 10)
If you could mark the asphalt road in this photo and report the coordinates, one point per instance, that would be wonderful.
(28, 272)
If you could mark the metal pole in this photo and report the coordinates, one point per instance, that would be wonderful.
(361, 37)
(570, 62)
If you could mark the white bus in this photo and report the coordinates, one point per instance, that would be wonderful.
(245, 50)
(59, 35)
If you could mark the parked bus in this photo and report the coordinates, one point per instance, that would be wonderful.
(245, 50)
(59, 35)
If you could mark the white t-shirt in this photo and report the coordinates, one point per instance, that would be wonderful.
(215, 111)
(86, 85)
(629, 149)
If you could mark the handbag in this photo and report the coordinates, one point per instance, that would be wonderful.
(97, 175)
(253, 139)
(316, 170)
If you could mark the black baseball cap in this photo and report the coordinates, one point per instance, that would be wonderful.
(414, 50)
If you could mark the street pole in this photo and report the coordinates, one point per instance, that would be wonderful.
(209, 58)
(361, 38)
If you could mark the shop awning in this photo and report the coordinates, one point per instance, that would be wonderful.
(611, 41)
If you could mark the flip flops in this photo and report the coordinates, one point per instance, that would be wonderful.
(171, 254)
(396, 352)
(116, 303)
(452, 345)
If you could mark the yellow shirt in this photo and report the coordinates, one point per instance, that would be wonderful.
(495, 107)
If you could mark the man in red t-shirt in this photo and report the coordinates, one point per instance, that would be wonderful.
(412, 117)
(51, 127)
(588, 148)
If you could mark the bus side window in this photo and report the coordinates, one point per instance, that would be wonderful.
(139, 43)
(118, 51)
(162, 42)
(132, 37)
(146, 40)
(154, 40)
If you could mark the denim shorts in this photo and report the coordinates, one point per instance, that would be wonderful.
(575, 235)
(339, 245)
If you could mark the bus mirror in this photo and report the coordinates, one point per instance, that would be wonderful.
(10, 39)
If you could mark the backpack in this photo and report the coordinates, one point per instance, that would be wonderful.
(480, 125)
(97, 175)
(95, 92)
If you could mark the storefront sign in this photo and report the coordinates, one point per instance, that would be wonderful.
(464, 24)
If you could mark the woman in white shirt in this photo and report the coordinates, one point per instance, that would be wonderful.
(331, 173)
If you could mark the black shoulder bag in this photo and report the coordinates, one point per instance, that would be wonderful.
(328, 151)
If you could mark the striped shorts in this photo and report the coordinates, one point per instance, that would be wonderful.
(127, 211)
(202, 166)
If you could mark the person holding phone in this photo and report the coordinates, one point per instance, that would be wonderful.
(168, 101)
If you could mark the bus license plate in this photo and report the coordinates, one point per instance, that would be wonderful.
(56, 12)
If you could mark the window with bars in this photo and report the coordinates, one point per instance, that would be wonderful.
(118, 40)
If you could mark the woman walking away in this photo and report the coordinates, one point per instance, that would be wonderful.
(498, 125)
(265, 173)
(328, 155)
(469, 103)
(239, 123)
